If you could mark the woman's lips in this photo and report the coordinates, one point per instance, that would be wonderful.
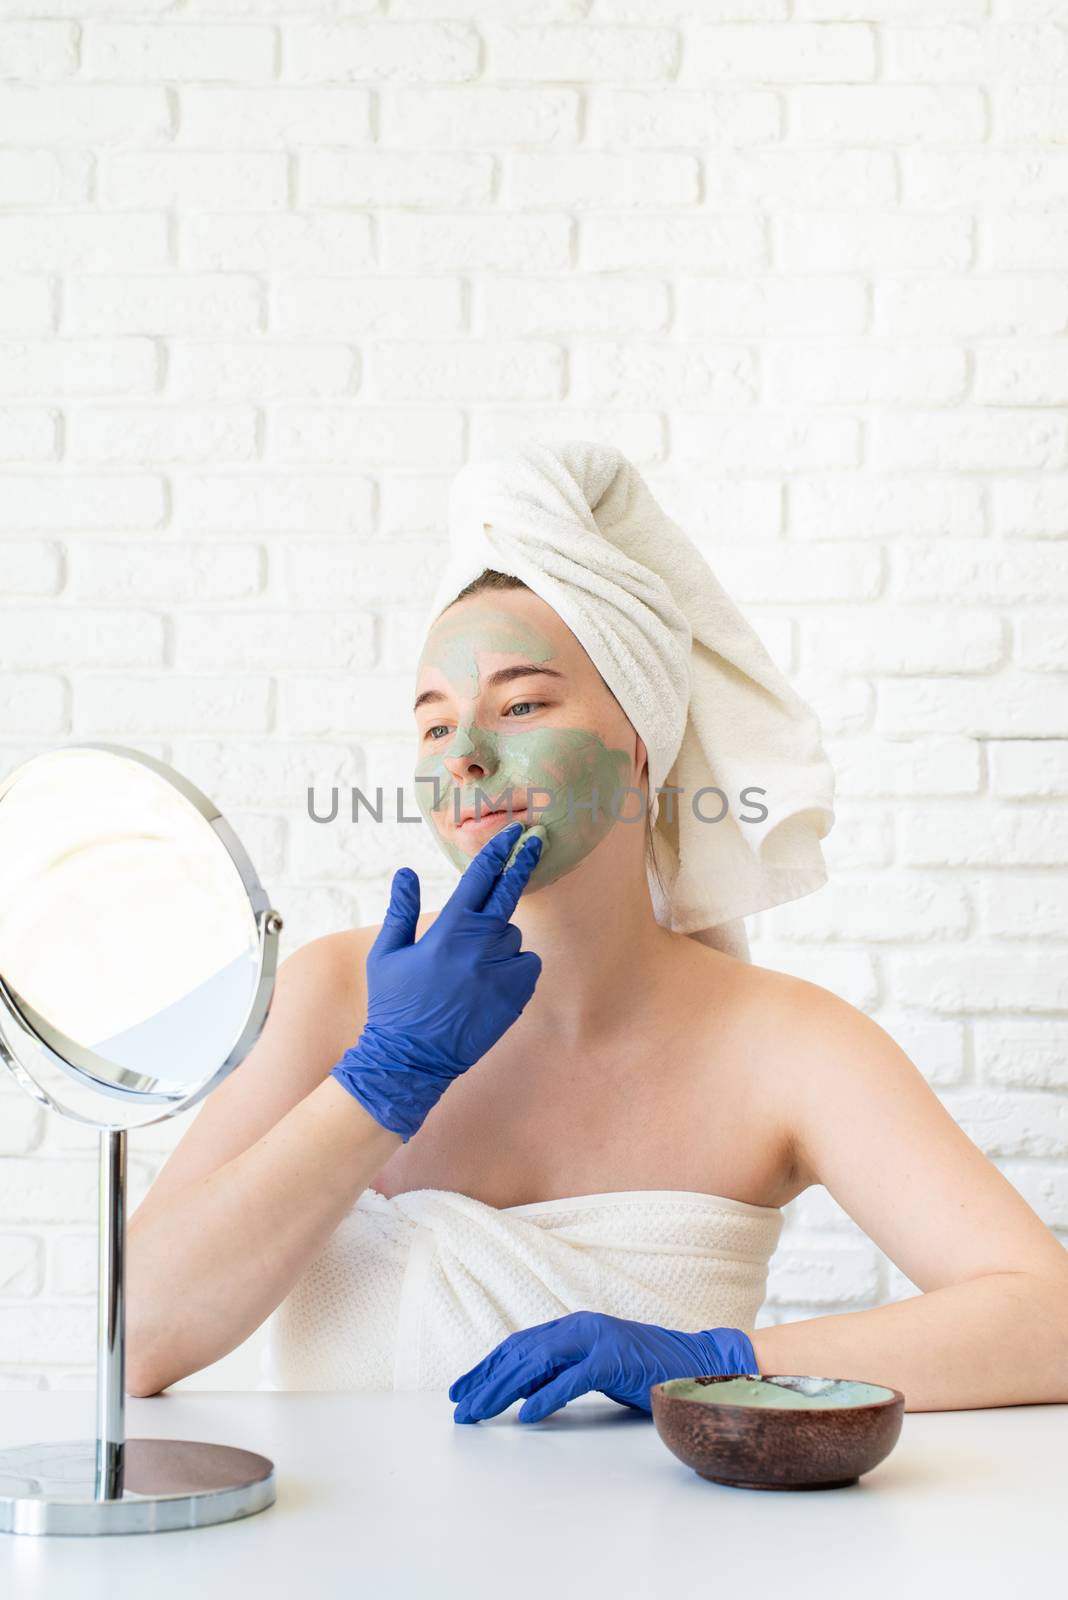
(488, 820)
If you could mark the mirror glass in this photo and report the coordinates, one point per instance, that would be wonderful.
(132, 971)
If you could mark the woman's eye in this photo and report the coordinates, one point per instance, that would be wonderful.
(443, 727)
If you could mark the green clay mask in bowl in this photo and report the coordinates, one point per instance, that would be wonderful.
(778, 1431)
(789, 1393)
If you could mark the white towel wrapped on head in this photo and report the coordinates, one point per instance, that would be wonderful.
(577, 523)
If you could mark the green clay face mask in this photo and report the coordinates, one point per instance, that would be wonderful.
(560, 767)
(792, 1394)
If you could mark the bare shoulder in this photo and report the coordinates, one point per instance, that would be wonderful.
(808, 1023)
(756, 997)
(828, 1061)
(785, 995)
(772, 1001)
(799, 1054)
(338, 960)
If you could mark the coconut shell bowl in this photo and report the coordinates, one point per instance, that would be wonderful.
(778, 1431)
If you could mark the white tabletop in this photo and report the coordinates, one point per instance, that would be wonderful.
(384, 1495)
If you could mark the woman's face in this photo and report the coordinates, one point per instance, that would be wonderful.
(509, 706)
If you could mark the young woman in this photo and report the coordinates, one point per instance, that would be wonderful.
(584, 1114)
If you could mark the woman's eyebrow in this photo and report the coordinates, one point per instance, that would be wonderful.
(502, 675)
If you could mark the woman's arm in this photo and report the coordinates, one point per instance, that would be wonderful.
(205, 1270)
(997, 1340)
(272, 1161)
(990, 1327)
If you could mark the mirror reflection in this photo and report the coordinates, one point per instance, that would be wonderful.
(130, 948)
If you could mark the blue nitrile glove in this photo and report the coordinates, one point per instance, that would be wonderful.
(435, 1007)
(554, 1362)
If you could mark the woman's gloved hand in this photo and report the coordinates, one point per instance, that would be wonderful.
(554, 1362)
(434, 1007)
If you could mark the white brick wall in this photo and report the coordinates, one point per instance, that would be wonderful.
(270, 272)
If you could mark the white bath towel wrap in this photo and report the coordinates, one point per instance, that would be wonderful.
(410, 1291)
(577, 523)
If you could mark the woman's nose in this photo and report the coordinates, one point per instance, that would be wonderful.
(466, 767)
(467, 756)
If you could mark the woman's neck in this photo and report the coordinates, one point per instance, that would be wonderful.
(600, 945)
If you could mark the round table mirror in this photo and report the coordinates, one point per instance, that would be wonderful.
(137, 961)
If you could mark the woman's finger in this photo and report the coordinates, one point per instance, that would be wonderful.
(521, 1338)
(470, 1379)
(575, 1380)
(482, 1369)
(516, 1378)
(504, 896)
(480, 874)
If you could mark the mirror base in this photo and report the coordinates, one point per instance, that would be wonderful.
(168, 1484)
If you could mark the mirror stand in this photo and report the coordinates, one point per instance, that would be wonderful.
(115, 1484)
